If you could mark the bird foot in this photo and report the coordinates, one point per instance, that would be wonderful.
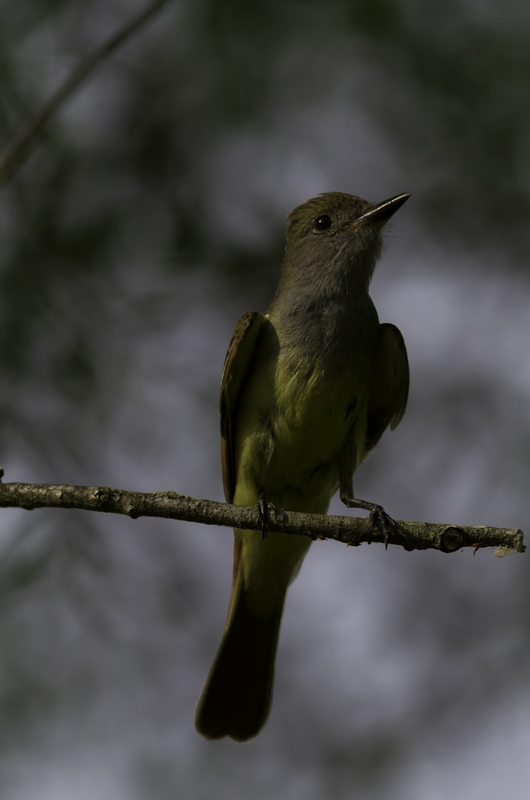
(378, 516)
(263, 507)
(386, 524)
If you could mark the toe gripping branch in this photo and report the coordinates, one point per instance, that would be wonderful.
(378, 516)
(263, 507)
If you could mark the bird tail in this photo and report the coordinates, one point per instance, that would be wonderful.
(237, 695)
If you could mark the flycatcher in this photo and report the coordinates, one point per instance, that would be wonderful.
(307, 390)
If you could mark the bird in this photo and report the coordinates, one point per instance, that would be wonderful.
(307, 390)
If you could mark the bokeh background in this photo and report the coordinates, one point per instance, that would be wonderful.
(148, 219)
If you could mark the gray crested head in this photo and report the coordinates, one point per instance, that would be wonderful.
(333, 243)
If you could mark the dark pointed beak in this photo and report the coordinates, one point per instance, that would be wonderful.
(382, 212)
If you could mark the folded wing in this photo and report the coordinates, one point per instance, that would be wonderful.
(390, 384)
(236, 367)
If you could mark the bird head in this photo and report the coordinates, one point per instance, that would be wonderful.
(337, 237)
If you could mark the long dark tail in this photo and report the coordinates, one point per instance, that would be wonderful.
(236, 697)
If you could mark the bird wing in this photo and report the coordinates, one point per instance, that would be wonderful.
(237, 363)
(390, 384)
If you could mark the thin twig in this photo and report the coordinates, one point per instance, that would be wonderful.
(171, 505)
(21, 146)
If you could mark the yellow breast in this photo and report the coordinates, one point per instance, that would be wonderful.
(293, 420)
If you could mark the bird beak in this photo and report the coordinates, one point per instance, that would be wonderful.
(381, 213)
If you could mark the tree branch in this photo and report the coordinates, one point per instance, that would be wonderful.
(171, 505)
(21, 146)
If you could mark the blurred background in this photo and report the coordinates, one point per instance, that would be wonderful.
(149, 218)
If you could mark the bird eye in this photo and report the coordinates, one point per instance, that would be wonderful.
(322, 223)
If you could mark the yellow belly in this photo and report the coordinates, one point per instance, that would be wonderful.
(293, 421)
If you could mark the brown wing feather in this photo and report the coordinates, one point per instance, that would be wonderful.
(390, 386)
(237, 363)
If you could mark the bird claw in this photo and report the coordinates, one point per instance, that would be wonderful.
(380, 519)
(378, 516)
(263, 506)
